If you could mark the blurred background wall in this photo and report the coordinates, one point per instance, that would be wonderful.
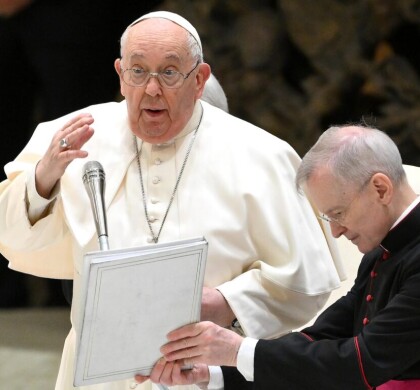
(294, 67)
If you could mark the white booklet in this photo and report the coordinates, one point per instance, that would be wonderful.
(132, 299)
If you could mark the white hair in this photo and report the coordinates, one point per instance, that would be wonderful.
(353, 154)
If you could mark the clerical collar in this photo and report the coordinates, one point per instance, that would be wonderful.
(407, 211)
(405, 231)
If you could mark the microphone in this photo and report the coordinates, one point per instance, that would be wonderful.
(94, 181)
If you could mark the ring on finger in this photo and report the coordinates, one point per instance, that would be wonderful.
(64, 144)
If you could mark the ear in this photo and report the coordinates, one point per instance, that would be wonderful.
(383, 187)
(201, 77)
(117, 66)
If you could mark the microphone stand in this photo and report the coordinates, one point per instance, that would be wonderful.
(94, 182)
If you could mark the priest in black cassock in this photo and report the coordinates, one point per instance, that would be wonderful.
(368, 339)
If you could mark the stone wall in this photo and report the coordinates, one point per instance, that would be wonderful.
(294, 67)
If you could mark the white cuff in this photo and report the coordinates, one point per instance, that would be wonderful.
(216, 381)
(245, 359)
(36, 204)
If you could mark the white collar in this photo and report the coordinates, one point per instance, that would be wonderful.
(407, 211)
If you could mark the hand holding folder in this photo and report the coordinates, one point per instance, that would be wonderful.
(133, 298)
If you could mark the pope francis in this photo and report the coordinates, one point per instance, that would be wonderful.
(177, 167)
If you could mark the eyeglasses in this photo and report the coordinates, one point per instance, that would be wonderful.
(340, 216)
(138, 77)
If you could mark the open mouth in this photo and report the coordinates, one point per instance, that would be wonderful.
(153, 112)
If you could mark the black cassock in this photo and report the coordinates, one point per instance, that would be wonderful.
(366, 338)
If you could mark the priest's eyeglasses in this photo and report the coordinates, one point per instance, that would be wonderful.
(138, 77)
(340, 216)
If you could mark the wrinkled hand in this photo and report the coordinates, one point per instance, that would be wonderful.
(171, 374)
(56, 159)
(215, 308)
(203, 343)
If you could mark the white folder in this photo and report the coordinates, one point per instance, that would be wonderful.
(132, 299)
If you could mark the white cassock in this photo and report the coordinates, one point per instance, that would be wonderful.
(267, 252)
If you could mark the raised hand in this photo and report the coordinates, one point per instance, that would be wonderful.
(64, 148)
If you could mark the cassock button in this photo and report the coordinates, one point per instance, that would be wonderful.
(385, 255)
(369, 298)
(155, 180)
(365, 321)
(154, 200)
(373, 274)
(149, 239)
(158, 161)
(152, 219)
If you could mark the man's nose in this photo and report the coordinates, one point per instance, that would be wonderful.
(153, 86)
(337, 230)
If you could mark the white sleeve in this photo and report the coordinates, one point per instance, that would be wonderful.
(37, 205)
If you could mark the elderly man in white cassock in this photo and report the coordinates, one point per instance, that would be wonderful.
(177, 167)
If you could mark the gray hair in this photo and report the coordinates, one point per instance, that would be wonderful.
(192, 45)
(214, 94)
(353, 154)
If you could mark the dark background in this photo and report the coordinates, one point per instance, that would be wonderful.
(295, 67)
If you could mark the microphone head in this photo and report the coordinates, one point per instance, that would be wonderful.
(93, 170)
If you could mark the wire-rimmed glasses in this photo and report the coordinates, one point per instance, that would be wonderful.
(138, 77)
(340, 216)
